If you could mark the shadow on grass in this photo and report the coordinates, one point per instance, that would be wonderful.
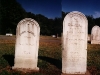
(53, 61)
(9, 59)
(56, 62)
(89, 42)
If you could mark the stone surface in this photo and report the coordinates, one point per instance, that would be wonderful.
(87, 73)
(95, 35)
(74, 53)
(27, 44)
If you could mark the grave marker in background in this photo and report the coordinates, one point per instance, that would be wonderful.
(27, 44)
(74, 53)
(95, 35)
(9, 34)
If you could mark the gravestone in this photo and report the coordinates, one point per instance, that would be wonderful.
(74, 53)
(95, 35)
(27, 44)
(8, 34)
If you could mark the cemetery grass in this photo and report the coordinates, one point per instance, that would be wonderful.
(49, 59)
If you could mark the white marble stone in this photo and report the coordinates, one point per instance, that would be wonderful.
(95, 35)
(74, 53)
(9, 34)
(27, 44)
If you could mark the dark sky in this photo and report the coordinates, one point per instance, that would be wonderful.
(53, 8)
(48, 8)
(87, 7)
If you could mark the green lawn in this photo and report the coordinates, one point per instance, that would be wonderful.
(49, 60)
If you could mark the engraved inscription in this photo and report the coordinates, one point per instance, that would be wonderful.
(27, 44)
(74, 49)
(26, 32)
(26, 52)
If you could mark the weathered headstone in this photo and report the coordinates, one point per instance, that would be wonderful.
(27, 44)
(74, 53)
(8, 34)
(95, 35)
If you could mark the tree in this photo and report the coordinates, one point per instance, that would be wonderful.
(97, 21)
(57, 29)
(91, 23)
(11, 13)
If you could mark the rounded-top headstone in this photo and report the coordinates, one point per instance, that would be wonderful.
(27, 44)
(74, 53)
(95, 35)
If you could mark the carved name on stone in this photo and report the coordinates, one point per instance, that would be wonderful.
(27, 44)
(74, 54)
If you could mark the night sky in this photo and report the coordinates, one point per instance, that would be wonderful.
(48, 8)
(53, 8)
(87, 7)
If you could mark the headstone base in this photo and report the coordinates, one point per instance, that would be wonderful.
(87, 73)
(26, 70)
(95, 41)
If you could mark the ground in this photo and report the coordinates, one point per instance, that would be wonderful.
(49, 59)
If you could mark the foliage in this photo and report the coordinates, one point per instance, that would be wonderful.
(11, 12)
(48, 26)
(91, 23)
